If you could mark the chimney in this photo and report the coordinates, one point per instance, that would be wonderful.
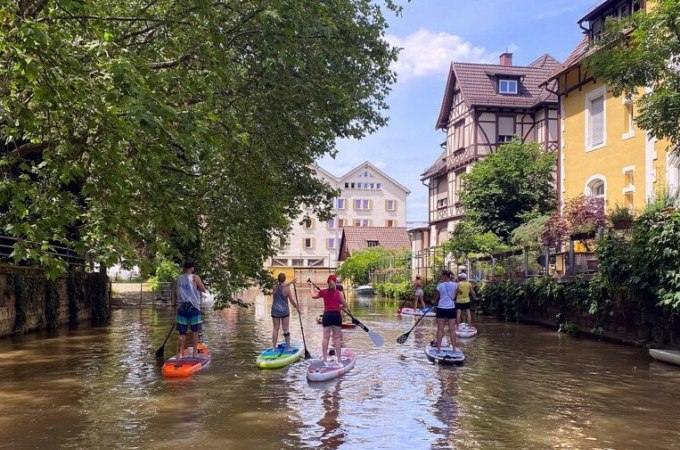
(506, 59)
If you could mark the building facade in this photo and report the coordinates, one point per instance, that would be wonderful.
(368, 198)
(603, 153)
(485, 106)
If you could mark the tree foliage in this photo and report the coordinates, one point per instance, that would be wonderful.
(358, 266)
(133, 128)
(643, 50)
(530, 233)
(469, 238)
(508, 185)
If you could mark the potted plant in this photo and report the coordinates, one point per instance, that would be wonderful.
(621, 217)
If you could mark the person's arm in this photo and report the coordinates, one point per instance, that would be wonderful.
(473, 294)
(291, 299)
(342, 300)
(313, 288)
(199, 284)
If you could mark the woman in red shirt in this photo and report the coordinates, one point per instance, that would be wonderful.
(333, 301)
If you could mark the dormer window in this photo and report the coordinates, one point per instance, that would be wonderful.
(507, 86)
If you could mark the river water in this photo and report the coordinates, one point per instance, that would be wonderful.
(521, 387)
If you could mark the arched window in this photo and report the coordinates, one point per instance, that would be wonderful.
(595, 188)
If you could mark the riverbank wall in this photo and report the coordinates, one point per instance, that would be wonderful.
(31, 302)
(581, 307)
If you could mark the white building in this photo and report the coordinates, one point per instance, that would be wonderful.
(368, 198)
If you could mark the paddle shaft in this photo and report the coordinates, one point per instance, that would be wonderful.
(401, 339)
(161, 350)
(302, 330)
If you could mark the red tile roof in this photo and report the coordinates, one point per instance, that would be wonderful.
(477, 83)
(356, 238)
(581, 52)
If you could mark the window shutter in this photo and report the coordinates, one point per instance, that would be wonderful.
(506, 126)
(597, 122)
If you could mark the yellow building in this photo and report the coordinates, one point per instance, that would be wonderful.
(602, 152)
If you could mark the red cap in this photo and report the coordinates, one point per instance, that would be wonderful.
(332, 278)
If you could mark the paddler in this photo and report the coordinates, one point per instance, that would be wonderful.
(281, 311)
(333, 301)
(189, 288)
(446, 293)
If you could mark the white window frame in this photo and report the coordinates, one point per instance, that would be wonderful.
(629, 188)
(509, 82)
(630, 122)
(331, 224)
(587, 190)
(594, 95)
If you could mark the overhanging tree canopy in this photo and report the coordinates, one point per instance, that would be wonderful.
(122, 123)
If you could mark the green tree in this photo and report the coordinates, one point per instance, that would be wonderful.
(509, 185)
(529, 234)
(358, 266)
(469, 238)
(642, 51)
(135, 128)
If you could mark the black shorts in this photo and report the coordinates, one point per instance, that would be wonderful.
(331, 319)
(463, 306)
(449, 313)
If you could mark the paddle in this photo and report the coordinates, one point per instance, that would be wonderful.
(401, 339)
(375, 337)
(161, 350)
(302, 330)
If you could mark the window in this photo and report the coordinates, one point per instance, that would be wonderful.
(596, 135)
(629, 179)
(372, 243)
(390, 205)
(458, 185)
(331, 224)
(458, 137)
(372, 185)
(362, 204)
(308, 242)
(596, 188)
(341, 223)
(283, 242)
(377, 185)
(315, 262)
(628, 123)
(346, 185)
(390, 223)
(506, 129)
(297, 262)
(442, 203)
(351, 185)
(362, 222)
(507, 86)
(340, 203)
(279, 262)
(330, 243)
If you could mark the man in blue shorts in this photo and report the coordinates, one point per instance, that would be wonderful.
(189, 288)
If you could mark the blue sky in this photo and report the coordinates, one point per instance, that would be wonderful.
(433, 33)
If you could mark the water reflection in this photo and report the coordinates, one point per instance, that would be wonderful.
(521, 387)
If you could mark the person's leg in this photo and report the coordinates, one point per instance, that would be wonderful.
(469, 316)
(452, 333)
(337, 342)
(458, 313)
(181, 340)
(276, 321)
(194, 338)
(440, 333)
(324, 342)
(285, 324)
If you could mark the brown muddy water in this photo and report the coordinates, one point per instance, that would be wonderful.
(522, 387)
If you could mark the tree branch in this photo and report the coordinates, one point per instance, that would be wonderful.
(172, 63)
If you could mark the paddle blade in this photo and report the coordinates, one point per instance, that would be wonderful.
(376, 338)
(160, 352)
(401, 339)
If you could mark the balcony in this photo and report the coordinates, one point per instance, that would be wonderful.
(447, 212)
(460, 157)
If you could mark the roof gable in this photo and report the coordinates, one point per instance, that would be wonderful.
(478, 85)
(357, 238)
(367, 165)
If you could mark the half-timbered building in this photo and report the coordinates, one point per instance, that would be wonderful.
(485, 106)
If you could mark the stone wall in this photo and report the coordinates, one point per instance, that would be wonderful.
(48, 304)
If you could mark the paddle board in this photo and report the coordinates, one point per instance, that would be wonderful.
(447, 355)
(320, 371)
(187, 365)
(281, 356)
(418, 312)
(466, 331)
(669, 356)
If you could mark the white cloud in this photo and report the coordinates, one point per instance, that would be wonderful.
(380, 164)
(425, 53)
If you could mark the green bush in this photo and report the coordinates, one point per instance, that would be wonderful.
(166, 272)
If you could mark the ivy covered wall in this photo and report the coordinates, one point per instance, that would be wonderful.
(29, 301)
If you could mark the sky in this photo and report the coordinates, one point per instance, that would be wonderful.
(432, 33)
